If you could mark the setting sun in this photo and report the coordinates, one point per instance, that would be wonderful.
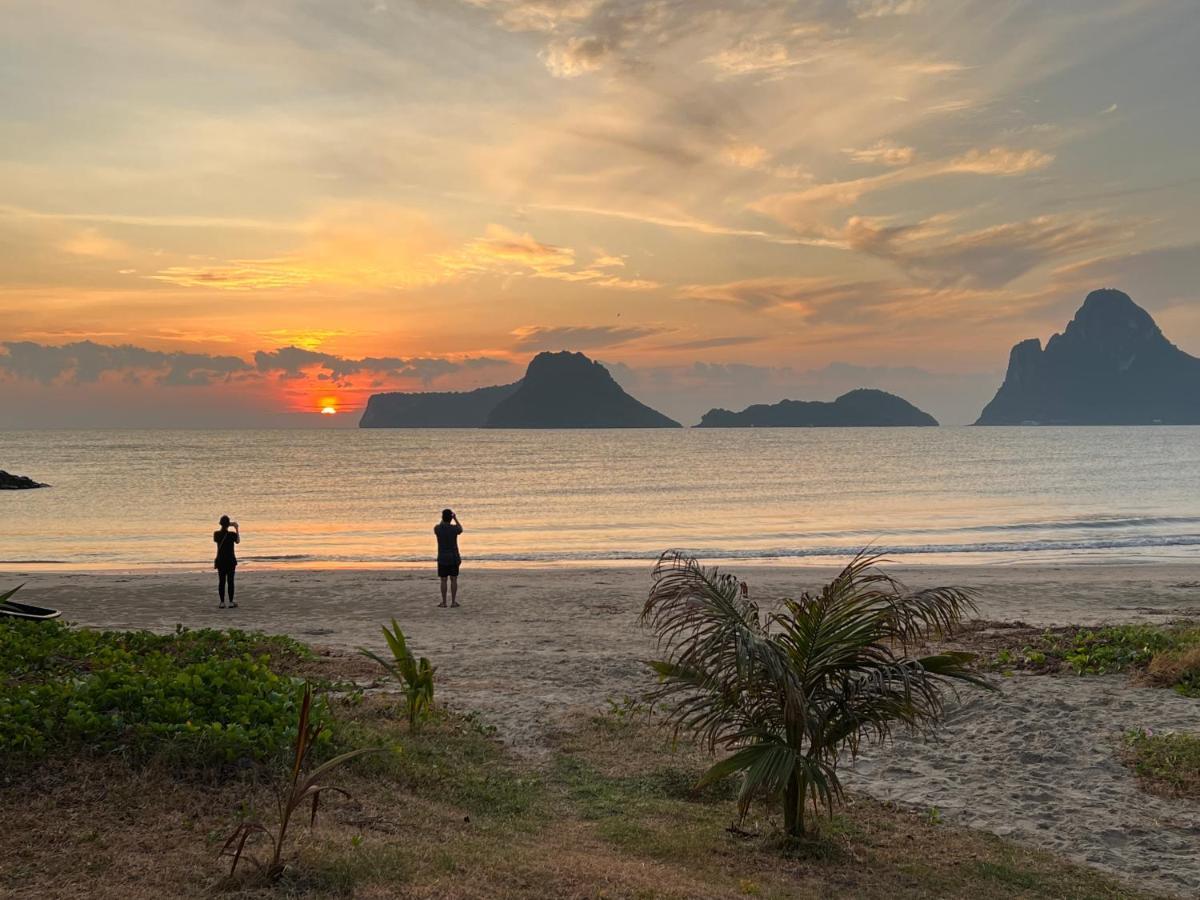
(328, 411)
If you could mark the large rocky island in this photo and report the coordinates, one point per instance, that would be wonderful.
(559, 390)
(864, 407)
(1110, 366)
(448, 409)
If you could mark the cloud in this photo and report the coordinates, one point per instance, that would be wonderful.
(294, 362)
(538, 15)
(799, 209)
(756, 56)
(803, 294)
(713, 343)
(379, 247)
(882, 153)
(574, 56)
(998, 161)
(875, 9)
(239, 275)
(746, 156)
(751, 156)
(91, 242)
(582, 35)
(506, 252)
(986, 258)
(84, 362)
(578, 337)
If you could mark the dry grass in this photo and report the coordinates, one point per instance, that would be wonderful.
(1175, 667)
(1166, 764)
(611, 814)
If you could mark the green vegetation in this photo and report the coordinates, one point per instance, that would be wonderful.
(1167, 763)
(1117, 648)
(196, 697)
(609, 809)
(1167, 656)
(416, 676)
(786, 695)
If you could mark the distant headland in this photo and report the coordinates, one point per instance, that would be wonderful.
(864, 407)
(1110, 366)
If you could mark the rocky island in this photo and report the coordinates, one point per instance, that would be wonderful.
(860, 408)
(18, 482)
(1110, 366)
(445, 409)
(559, 390)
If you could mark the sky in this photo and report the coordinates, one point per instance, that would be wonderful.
(218, 213)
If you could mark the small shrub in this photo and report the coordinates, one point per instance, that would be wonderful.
(416, 676)
(1167, 763)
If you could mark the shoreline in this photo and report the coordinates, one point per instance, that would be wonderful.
(911, 562)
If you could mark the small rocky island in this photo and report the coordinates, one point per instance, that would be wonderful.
(18, 482)
(1110, 366)
(559, 390)
(862, 408)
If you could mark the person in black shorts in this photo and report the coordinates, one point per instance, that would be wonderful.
(448, 559)
(226, 561)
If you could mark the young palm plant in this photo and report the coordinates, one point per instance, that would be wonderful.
(785, 694)
(416, 676)
(304, 788)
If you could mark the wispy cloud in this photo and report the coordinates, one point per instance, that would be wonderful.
(578, 337)
(882, 153)
(988, 257)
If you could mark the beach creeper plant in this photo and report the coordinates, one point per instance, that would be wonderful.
(786, 693)
(416, 675)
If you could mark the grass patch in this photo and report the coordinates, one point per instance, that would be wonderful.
(1167, 764)
(1165, 656)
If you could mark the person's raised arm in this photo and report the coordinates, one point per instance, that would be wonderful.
(237, 533)
(458, 524)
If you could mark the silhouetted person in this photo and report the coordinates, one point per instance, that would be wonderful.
(448, 559)
(226, 561)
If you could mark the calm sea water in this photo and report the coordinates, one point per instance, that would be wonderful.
(150, 499)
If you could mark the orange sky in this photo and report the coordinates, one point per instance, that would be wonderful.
(719, 199)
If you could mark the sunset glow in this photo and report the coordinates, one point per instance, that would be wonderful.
(211, 215)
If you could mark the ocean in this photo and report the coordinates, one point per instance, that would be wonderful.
(146, 500)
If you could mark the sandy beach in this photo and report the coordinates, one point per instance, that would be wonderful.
(531, 648)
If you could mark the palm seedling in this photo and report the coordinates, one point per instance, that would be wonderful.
(304, 788)
(416, 675)
(785, 694)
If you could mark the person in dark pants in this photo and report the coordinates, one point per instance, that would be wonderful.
(448, 558)
(226, 561)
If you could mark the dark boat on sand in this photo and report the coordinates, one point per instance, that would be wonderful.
(14, 610)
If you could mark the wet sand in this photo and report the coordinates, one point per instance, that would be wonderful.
(531, 648)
